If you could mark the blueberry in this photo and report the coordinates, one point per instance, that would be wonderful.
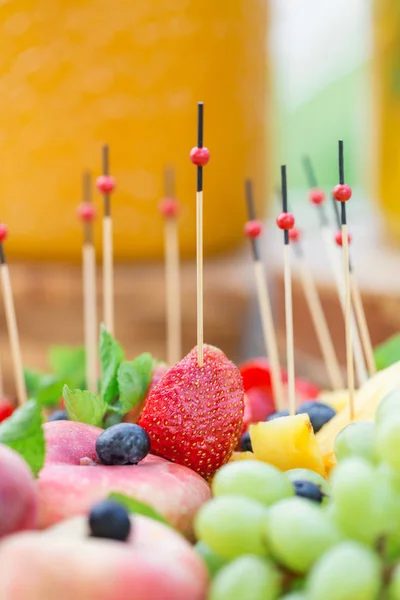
(306, 489)
(58, 415)
(277, 414)
(123, 444)
(318, 412)
(245, 443)
(110, 520)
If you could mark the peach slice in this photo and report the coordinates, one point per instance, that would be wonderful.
(71, 481)
(63, 563)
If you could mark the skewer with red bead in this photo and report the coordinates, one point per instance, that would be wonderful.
(317, 198)
(199, 155)
(106, 184)
(342, 193)
(357, 302)
(87, 212)
(285, 221)
(253, 230)
(11, 321)
(169, 208)
(317, 313)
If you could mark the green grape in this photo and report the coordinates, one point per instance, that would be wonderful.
(298, 532)
(349, 571)
(232, 525)
(214, 563)
(253, 479)
(394, 586)
(387, 441)
(388, 407)
(246, 578)
(357, 439)
(308, 475)
(361, 500)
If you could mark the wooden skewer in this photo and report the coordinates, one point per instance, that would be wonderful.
(87, 214)
(253, 230)
(342, 193)
(318, 317)
(169, 209)
(106, 184)
(12, 328)
(286, 221)
(199, 157)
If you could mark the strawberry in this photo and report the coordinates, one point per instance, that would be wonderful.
(194, 414)
(258, 405)
(6, 408)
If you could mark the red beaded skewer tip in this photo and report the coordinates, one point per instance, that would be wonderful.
(294, 234)
(253, 229)
(285, 221)
(342, 192)
(199, 156)
(168, 207)
(3, 232)
(105, 184)
(316, 196)
(339, 238)
(86, 211)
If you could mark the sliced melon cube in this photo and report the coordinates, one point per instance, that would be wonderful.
(287, 443)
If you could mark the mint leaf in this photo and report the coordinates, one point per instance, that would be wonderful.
(68, 363)
(23, 433)
(32, 381)
(387, 353)
(84, 407)
(136, 507)
(111, 356)
(49, 391)
(134, 379)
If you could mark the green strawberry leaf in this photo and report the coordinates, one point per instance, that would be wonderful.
(136, 507)
(387, 353)
(23, 433)
(32, 381)
(84, 407)
(49, 391)
(68, 364)
(111, 356)
(134, 379)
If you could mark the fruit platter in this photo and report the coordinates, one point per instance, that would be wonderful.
(190, 477)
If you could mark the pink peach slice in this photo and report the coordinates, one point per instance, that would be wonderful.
(18, 494)
(68, 488)
(156, 563)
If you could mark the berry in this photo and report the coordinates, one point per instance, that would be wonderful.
(6, 409)
(258, 404)
(58, 415)
(278, 414)
(194, 414)
(318, 412)
(3, 232)
(123, 444)
(339, 238)
(253, 229)
(294, 235)
(109, 520)
(199, 156)
(285, 221)
(169, 207)
(316, 196)
(86, 211)
(309, 490)
(342, 192)
(105, 184)
(245, 443)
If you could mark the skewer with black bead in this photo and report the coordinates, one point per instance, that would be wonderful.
(199, 155)
(253, 230)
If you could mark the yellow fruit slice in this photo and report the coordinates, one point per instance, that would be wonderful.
(337, 399)
(287, 443)
(242, 456)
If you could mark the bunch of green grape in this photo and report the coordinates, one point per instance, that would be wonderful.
(261, 541)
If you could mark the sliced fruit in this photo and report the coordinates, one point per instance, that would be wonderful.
(287, 443)
(243, 456)
(337, 399)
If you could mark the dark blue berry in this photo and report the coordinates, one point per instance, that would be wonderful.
(58, 415)
(277, 414)
(123, 444)
(306, 489)
(318, 412)
(245, 443)
(110, 520)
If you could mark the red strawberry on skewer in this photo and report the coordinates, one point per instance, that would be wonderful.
(194, 414)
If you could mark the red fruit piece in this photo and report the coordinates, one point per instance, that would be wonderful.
(6, 408)
(194, 415)
(258, 405)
